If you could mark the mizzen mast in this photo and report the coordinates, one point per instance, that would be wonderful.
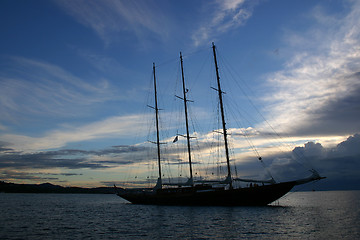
(228, 179)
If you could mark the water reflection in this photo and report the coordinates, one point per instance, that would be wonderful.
(310, 215)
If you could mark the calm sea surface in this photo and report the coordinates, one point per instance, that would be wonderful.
(300, 215)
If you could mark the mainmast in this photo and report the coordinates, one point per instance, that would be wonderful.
(191, 182)
(159, 181)
(222, 117)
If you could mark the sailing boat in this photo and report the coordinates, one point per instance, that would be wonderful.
(214, 193)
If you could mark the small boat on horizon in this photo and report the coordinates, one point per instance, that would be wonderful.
(208, 192)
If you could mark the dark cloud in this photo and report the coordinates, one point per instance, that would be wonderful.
(76, 159)
(4, 148)
(179, 161)
(65, 158)
(309, 150)
(338, 164)
(341, 164)
(349, 147)
(113, 150)
(60, 174)
(9, 174)
(337, 117)
(44, 160)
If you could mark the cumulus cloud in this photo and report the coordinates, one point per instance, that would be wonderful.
(336, 163)
(350, 147)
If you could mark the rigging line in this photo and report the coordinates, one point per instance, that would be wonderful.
(195, 126)
(252, 146)
(136, 139)
(237, 122)
(254, 149)
(176, 114)
(232, 114)
(248, 139)
(175, 59)
(241, 116)
(168, 168)
(215, 143)
(290, 148)
(227, 66)
(166, 62)
(206, 59)
(205, 49)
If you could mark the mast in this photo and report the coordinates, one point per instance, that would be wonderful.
(191, 182)
(222, 117)
(159, 182)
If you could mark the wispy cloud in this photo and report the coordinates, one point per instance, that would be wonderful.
(32, 87)
(109, 18)
(111, 127)
(225, 15)
(318, 91)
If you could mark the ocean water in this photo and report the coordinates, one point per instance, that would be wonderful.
(299, 215)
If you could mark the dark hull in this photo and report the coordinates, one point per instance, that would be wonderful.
(252, 196)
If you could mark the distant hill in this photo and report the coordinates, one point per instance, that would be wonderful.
(50, 188)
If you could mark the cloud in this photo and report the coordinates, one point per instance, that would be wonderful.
(10, 175)
(69, 159)
(34, 91)
(336, 163)
(318, 91)
(4, 147)
(51, 165)
(350, 147)
(109, 18)
(45, 160)
(225, 16)
(310, 149)
(118, 126)
(30, 87)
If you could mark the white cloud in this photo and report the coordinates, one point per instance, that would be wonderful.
(110, 17)
(31, 87)
(225, 15)
(311, 95)
(119, 127)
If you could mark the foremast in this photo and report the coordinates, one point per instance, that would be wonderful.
(220, 92)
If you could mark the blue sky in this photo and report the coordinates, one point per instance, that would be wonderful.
(75, 78)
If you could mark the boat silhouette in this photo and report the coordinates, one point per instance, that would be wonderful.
(202, 192)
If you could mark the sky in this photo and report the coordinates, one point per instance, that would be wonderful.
(76, 76)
